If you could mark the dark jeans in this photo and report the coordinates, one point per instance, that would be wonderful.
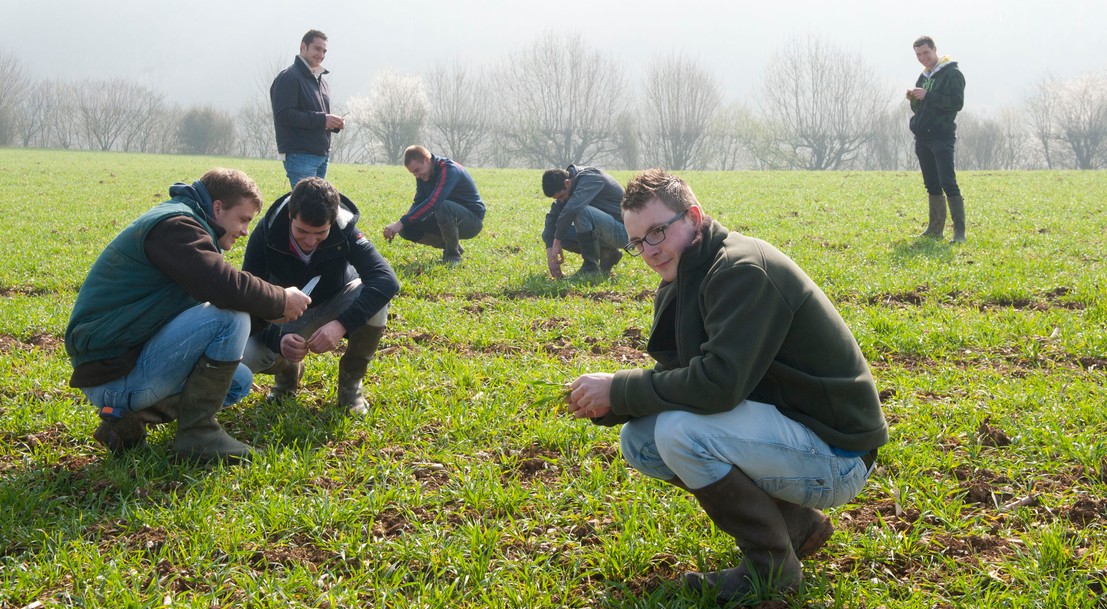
(936, 162)
(430, 230)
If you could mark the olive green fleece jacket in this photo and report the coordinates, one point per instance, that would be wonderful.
(743, 321)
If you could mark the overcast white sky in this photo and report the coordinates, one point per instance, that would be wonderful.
(224, 52)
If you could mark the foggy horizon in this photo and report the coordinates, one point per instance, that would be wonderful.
(1004, 48)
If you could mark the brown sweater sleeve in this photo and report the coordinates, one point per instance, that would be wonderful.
(184, 251)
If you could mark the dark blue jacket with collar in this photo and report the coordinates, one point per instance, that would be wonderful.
(301, 103)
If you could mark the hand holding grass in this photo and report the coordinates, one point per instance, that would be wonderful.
(590, 395)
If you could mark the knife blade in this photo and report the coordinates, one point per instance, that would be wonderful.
(314, 281)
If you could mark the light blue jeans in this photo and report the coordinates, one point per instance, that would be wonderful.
(169, 357)
(298, 166)
(607, 231)
(783, 457)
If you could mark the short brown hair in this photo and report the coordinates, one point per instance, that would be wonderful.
(315, 201)
(924, 40)
(412, 153)
(658, 183)
(310, 37)
(232, 187)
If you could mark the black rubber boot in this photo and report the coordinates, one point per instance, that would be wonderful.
(451, 242)
(286, 378)
(360, 349)
(769, 565)
(199, 436)
(609, 257)
(808, 528)
(590, 252)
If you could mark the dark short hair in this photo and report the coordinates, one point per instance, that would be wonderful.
(232, 187)
(553, 181)
(416, 152)
(315, 201)
(311, 35)
(644, 187)
(924, 40)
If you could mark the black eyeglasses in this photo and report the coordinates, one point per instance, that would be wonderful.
(634, 247)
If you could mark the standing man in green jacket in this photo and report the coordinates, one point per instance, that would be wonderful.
(761, 403)
(938, 96)
(161, 321)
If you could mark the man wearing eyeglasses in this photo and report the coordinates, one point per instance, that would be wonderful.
(584, 218)
(761, 403)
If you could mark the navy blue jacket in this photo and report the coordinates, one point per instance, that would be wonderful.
(301, 104)
(449, 181)
(343, 256)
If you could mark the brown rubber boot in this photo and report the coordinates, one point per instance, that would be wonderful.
(937, 222)
(808, 528)
(360, 349)
(286, 378)
(120, 433)
(199, 436)
(741, 509)
(127, 432)
(957, 214)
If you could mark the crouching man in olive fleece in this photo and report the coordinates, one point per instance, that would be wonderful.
(761, 403)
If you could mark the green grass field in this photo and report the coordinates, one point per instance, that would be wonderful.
(458, 491)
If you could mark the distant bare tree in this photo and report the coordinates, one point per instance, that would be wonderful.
(35, 114)
(1081, 115)
(460, 113)
(205, 130)
(392, 117)
(254, 120)
(346, 146)
(146, 108)
(731, 138)
(255, 130)
(110, 109)
(628, 139)
(1070, 120)
(819, 102)
(892, 145)
(1040, 109)
(14, 85)
(979, 142)
(560, 101)
(681, 98)
(1017, 152)
(65, 128)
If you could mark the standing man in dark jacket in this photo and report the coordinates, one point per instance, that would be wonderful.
(309, 239)
(761, 403)
(447, 206)
(162, 319)
(302, 111)
(938, 96)
(584, 218)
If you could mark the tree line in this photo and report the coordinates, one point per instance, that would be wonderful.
(560, 101)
